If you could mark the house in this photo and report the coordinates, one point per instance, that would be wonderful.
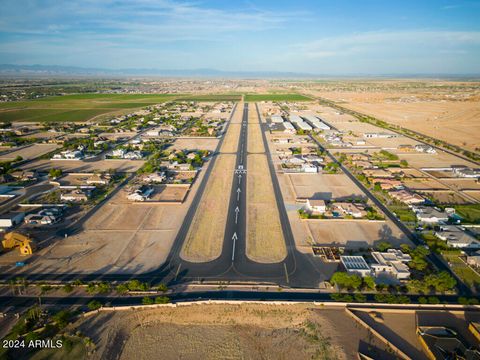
(425, 148)
(388, 184)
(430, 215)
(133, 155)
(44, 217)
(456, 237)
(379, 135)
(474, 259)
(118, 153)
(141, 194)
(349, 209)
(156, 177)
(406, 197)
(24, 175)
(356, 265)
(316, 206)
(98, 179)
(276, 119)
(465, 172)
(11, 219)
(77, 195)
(69, 155)
(191, 155)
(393, 262)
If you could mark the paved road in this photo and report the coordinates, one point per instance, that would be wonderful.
(27, 193)
(411, 235)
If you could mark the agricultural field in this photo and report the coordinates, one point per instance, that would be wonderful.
(275, 97)
(211, 97)
(77, 108)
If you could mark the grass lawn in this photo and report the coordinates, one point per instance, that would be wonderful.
(213, 97)
(462, 270)
(403, 213)
(470, 212)
(276, 97)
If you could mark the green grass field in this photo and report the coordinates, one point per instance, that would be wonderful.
(83, 107)
(276, 97)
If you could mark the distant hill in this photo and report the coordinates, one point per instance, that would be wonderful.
(8, 69)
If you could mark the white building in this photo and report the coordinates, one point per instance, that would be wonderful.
(289, 128)
(295, 119)
(302, 125)
(425, 148)
(276, 119)
(392, 263)
(456, 237)
(356, 265)
(379, 135)
(316, 206)
(316, 123)
(429, 215)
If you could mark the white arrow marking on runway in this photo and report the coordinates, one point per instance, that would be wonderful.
(239, 178)
(238, 194)
(234, 237)
(236, 214)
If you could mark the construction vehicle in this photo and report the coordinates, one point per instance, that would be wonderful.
(13, 239)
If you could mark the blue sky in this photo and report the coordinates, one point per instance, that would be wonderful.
(319, 37)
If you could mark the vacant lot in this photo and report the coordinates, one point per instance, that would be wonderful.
(205, 236)
(84, 166)
(81, 107)
(441, 109)
(248, 331)
(195, 144)
(323, 186)
(120, 237)
(29, 152)
(265, 242)
(355, 234)
(275, 97)
(173, 193)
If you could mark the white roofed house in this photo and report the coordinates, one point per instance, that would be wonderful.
(430, 215)
(276, 119)
(356, 265)
(391, 263)
(456, 237)
(316, 206)
(77, 195)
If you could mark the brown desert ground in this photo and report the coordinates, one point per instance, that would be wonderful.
(446, 110)
(217, 331)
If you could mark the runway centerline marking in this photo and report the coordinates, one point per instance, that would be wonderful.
(234, 237)
(178, 270)
(286, 273)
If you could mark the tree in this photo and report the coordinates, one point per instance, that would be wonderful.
(162, 300)
(344, 280)
(62, 318)
(94, 305)
(360, 297)
(383, 246)
(369, 282)
(147, 300)
(55, 173)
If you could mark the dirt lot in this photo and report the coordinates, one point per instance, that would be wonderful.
(195, 144)
(205, 237)
(355, 234)
(444, 110)
(84, 166)
(29, 152)
(172, 193)
(440, 159)
(265, 242)
(323, 186)
(248, 331)
(424, 184)
(119, 237)
(447, 197)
